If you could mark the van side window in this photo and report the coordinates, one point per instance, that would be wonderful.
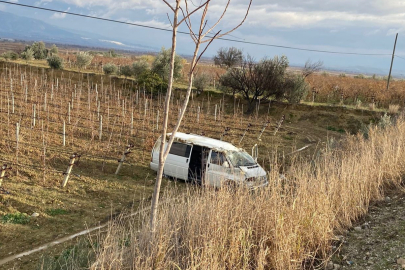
(217, 158)
(180, 149)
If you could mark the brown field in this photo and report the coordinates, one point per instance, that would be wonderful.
(354, 91)
(129, 116)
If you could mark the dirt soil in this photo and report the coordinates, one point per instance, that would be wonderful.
(377, 241)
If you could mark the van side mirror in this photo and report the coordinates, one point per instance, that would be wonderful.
(225, 164)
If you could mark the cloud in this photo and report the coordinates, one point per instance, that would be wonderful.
(152, 23)
(45, 2)
(58, 15)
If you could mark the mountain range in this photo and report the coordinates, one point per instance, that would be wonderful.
(23, 28)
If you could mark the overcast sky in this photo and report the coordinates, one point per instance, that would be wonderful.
(335, 25)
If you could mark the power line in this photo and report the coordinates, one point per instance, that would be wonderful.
(187, 33)
(400, 57)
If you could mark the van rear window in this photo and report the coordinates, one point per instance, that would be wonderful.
(180, 149)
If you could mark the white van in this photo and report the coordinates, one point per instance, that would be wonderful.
(209, 162)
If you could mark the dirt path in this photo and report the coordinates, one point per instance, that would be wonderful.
(378, 241)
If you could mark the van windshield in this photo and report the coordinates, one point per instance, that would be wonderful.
(240, 158)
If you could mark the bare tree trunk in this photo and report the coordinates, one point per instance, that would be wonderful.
(162, 157)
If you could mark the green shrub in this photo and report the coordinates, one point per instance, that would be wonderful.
(27, 55)
(55, 62)
(110, 68)
(10, 55)
(138, 68)
(152, 82)
(161, 65)
(83, 59)
(16, 218)
(295, 88)
(126, 71)
(201, 81)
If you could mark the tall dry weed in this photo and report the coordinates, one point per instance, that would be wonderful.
(288, 225)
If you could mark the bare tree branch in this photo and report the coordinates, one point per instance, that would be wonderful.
(194, 11)
(169, 19)
(233, 29)
(168, 5)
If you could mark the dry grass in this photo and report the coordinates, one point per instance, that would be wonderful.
(329, 89)
(393, 108)
(289, 225)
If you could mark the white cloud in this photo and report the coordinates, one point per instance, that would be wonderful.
(58, 15)
(113, 42)
(45, 2)
(152, 23)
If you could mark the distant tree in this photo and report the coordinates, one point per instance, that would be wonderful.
(39, 49)
(139, 68)
(228, 57)
(10, 55)
(201, 82)
(111, 53)
(83, 59)
(152, 82)
(54, 50)
(27, 55)
(161, 65)
(126, 71)
(310, 68)
(262, 80)
(110, 68)
(295, 88)
(55, 62)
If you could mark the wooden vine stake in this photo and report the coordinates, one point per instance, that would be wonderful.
(73, 159)
(122, 160)
(244, 133)
(3, 170)
(279, 125)
(266, 124)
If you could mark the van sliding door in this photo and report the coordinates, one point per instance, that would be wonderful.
(216, 172)
(178, 160)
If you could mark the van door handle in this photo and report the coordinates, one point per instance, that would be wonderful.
(187, 161)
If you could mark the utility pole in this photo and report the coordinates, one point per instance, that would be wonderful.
(392, 62)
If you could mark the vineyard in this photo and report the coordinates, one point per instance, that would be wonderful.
(356, 91)
(103, 129)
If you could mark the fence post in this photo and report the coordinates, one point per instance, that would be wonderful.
(100, 132)
(279, 125)
(64, 133)
(17, 139)
(3, 170)
(266, 124)
(157, 120)
(69, 169)
(244, 133)
(34, 115)
(121, 161)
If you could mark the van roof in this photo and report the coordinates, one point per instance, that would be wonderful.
(204, 141)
